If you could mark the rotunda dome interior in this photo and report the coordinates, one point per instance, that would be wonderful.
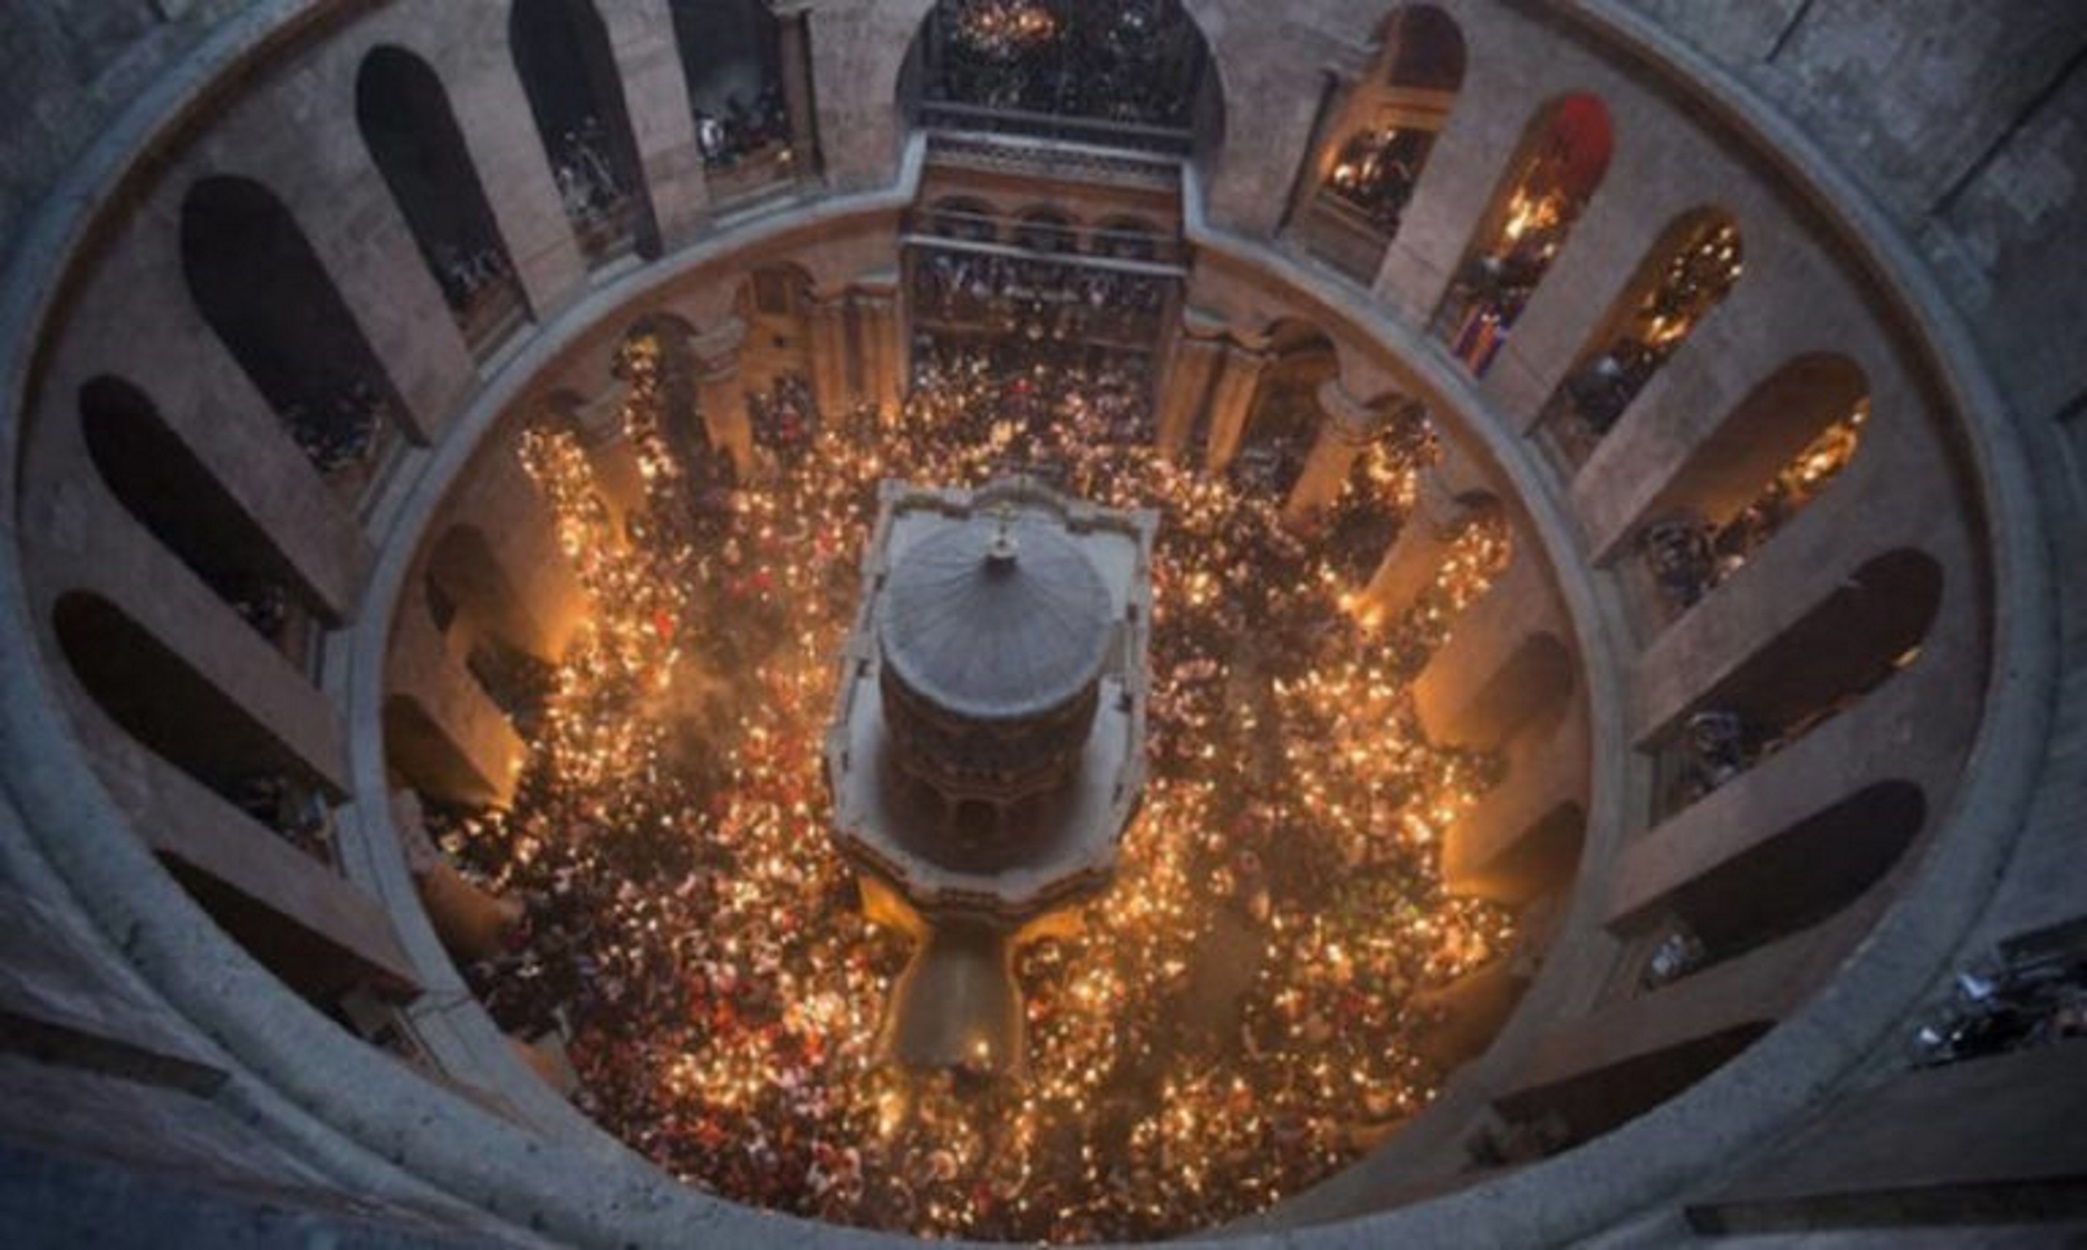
(1595, 484)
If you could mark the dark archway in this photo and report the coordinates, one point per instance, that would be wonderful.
(163, 484)
(262, 288)
(1869, 627)
(178, 714)
(1046, 229)
(568, 71)
(412, 134)
(1790, 881)
(1125, 238)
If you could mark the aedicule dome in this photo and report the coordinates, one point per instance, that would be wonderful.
(995, 620)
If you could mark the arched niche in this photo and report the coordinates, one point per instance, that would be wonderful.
(1362, 172)
(1553, 1117)
(569, 74)
(1769, 459)
(484, 619)
(264, 291)
(406, 121)
(168, 490)
(465, 578)
(1094, 71)
(1560, 162)
(1687, 272)
(1869, 627)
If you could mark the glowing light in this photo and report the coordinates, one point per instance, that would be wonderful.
(1227, 1025)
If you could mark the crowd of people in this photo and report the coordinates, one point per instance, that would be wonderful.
(1375, 173)
(2030, 999)
(1037, 299)
(743, 130)
(595, 198)
(1687, 556)
(341, 431)
(1126, 61)
(469, 276)
(1229, 1023)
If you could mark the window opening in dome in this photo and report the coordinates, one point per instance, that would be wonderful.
(1866, 630)
(274, 306)
(1561, 161)
(568, 69)
(1773, 457)
(406, 121)
(1378, 137)
(1683, 277)
(749, 90)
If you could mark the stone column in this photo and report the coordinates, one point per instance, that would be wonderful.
(1232, 402)
(721, 391)
(1416, 555)
(883, 361)
(1190, 367)
(794, 16)
(617, 478)
(1345, 429)
(826, 322)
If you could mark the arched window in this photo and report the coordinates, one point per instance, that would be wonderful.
(568, 71)
(1561, 160)
(1373, 156)
(958, 217)
(1686, 273)
(1775, 453)
(1124, 74)
(412, 136)
(264, 291)
(1046, 230)
(732, 55)
(421, 753)
(1869, 627)
(1126, 238)
(181, 716)
(1780, 885)
(161, 483)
